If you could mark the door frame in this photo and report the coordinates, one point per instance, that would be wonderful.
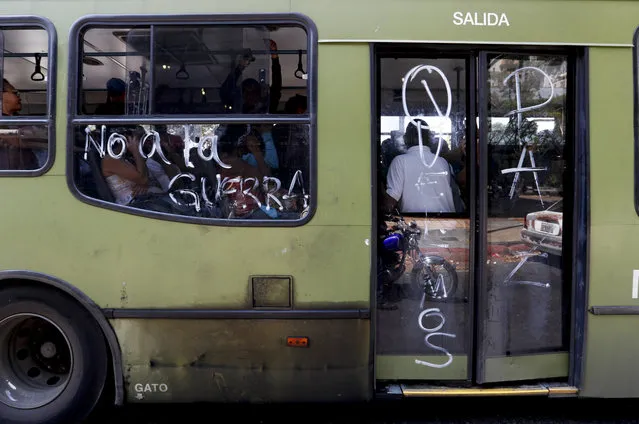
(577, 240)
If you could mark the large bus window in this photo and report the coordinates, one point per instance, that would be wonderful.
(196, 122)
(27, 75)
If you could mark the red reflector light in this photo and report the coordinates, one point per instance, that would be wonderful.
(297, 341)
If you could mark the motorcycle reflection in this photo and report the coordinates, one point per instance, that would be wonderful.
(431, 277)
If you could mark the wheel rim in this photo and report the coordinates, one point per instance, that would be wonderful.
(36, 361)
(431, 288)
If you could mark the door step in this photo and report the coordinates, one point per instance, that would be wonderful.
(420, 390)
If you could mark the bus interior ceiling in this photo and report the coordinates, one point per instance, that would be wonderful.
(191, 63)
(206, 54)
(20, 47)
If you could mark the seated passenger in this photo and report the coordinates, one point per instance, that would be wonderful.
(263, 133)
(241, 183)
(415, 186)
(173, 148)
(231, 153)
(130, 176)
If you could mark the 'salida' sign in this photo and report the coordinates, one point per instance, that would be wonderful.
(480, 19)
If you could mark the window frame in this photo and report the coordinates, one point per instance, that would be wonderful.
(24, 22)
(310, 118)
(635, 118)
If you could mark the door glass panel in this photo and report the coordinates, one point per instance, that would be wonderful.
(424, 259)
(526, 302)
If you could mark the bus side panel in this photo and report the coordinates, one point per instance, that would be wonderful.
(612, 344)
(126, 261)
(464, 21)
(244, 360)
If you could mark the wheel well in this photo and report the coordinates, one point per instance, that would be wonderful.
(10, 279)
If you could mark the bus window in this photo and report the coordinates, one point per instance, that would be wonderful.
(424, 187)
(528, 152)
(26, 75)
(195, 122)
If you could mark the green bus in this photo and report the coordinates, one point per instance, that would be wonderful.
(277, 201)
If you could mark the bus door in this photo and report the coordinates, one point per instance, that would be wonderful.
(473, 151)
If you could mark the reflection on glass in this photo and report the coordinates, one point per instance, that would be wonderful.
(423, 243)
(23, 147)
(137, 82)
(234, 171)
(526, 143)
(422, 263)
(196, 70)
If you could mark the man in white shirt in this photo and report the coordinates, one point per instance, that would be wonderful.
(417, 180)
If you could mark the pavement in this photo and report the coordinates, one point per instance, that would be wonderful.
(418, 411)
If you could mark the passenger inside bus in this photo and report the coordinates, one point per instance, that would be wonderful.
(132, 176)
(245, 90)
(296, 105)
(232, 151)
(242, 190)
(115, 101)
(11, 101)
(391, 147)
(292, 142)
(254, 97)
(415, 187)
(456, 160)
(172, 147)
(24, 147)
(238, 131)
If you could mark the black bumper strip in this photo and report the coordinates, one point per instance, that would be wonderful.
(113, 313)
(614, 310)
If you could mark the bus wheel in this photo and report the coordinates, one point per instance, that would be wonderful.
(53, 358)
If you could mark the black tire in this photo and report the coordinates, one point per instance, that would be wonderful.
(29, 315)
(450, 279)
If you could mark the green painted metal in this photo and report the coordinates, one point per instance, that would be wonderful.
(549, 21)
(121, 260)
(611, 343)
(539, 21)
(528, 367)
(403, 367)
(612, 346)
(244, 360)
